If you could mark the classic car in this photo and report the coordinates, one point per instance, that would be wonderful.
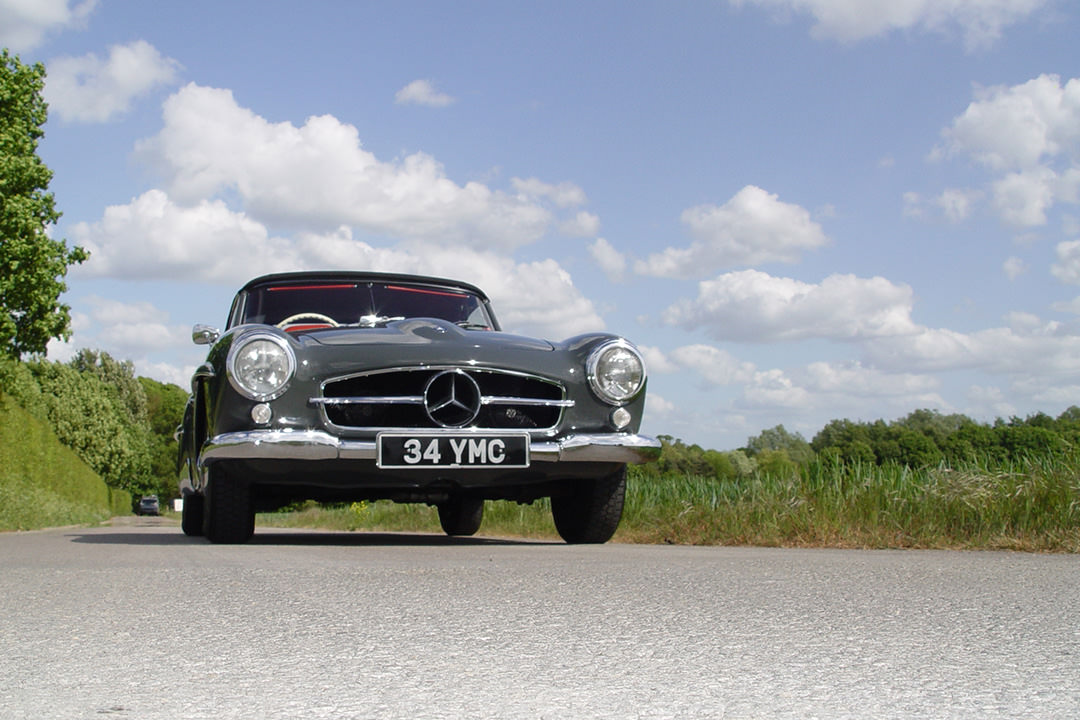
(350, 386)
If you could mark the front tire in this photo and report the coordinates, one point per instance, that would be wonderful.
(191, 516)
(461, 515)
(228, 513)
(590, 512)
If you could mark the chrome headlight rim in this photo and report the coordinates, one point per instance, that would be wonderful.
(235, 377)
(592, 369)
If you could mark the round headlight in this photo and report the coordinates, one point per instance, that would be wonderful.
(616, 372)
(261, 366)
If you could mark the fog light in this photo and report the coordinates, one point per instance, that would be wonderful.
(261, 414)
(620, 418)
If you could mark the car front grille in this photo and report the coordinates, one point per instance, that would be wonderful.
(443, 397)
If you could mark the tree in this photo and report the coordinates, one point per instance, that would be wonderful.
(31, 263)
(164, 410)
(778, 438)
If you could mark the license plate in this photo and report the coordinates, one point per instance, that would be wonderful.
(471, 450)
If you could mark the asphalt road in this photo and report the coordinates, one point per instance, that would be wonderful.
(141, 622)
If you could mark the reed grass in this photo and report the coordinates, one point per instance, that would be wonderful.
(1032, 504)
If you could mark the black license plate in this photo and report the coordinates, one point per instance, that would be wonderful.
(466, 450)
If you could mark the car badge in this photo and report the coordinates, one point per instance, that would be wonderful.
(452, 399)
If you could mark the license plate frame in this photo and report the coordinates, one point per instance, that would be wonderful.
(449, 450)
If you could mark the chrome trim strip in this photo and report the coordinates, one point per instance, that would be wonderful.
(419, 400)
(370, 400)
(318, 445)
(532, 402)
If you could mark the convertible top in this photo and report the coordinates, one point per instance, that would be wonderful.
(291, 278)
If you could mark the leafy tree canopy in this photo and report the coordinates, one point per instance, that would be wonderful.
(32, 264)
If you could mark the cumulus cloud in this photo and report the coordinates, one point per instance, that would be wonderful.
(422, 92)
(1067, 267)
(753, 306)
(1023, 198)
(658, 406)
(1023, 348)
(1014, 267)
(130, 331)
(25, 23)
(318, 177)
(715, 366)
(583, 224)
(956, 203)
(563, 195)
(155, 238)
(981, 22)
(610, 260)
(1028, 137)
(751, 228)
(1007, 128)
(89, 89)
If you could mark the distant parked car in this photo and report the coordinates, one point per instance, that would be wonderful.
(149, 506)
(348, 386)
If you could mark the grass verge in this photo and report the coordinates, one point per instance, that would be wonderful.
(1031, 505)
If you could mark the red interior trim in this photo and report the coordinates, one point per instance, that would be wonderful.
(425, 292)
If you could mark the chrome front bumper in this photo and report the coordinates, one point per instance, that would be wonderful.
(318, 445)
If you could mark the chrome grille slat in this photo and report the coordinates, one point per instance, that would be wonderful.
(395, 399)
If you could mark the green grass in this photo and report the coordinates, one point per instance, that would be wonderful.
(1032, 505)
(44, 484)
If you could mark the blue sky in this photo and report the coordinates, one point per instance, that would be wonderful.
(800, 210)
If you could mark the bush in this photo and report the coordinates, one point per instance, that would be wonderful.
(43, 483)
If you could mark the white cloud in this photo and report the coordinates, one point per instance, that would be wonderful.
(25, 23)
(716, 366)
(989, 402)
(1067, 267)
(133, 331)
(422, 92)
(563, 195)
(856, 381)
(1022, 198)
(658, 406)
(1014, 267)
(980, 21)
(957, 203)
(153, 237)
(656, 362)
(89, 89)
(840, 388)
(953, 204)
(583, 224)
(751, 228)
(610, 260)
(1028, 136)
(319, 177)
(774, 389)
(1024, 348)
(1007, 128)
(753, 306)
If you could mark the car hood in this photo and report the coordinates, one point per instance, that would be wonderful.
(423, 331)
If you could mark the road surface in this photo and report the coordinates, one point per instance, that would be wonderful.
(139, 621)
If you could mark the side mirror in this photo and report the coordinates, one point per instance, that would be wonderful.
(204, 335)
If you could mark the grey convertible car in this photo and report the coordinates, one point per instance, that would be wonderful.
(348, 386)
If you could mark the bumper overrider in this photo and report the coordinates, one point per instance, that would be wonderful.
(317, 445)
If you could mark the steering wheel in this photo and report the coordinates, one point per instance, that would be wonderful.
(292, 319)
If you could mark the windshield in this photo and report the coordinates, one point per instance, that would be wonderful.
(361, 304)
